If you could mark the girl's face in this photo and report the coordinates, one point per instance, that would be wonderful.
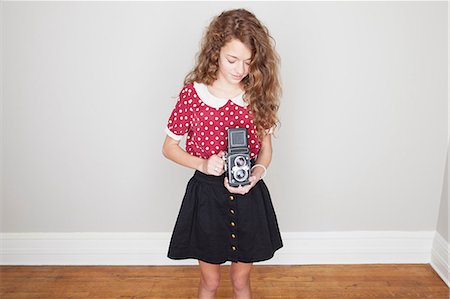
(234, 62)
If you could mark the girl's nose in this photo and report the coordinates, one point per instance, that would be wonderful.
(241, 68)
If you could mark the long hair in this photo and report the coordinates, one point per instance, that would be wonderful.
(262, 85)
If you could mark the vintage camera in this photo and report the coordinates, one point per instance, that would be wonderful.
(237, 160)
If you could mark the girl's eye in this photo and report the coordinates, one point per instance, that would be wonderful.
(231, 61)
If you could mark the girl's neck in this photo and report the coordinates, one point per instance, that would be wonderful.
(223, 89)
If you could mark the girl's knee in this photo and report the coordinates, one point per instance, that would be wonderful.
(240, 282)
(210, 276)
(211, 282)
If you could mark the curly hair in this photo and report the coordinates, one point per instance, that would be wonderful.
(262, 85)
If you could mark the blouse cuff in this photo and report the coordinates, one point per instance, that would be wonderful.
(269, 131)
(172, 135)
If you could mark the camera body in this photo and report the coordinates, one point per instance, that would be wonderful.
(237, 160)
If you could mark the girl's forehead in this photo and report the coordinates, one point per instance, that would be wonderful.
(237, 49)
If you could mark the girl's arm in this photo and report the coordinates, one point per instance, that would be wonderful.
(172, 151)
(264, 156)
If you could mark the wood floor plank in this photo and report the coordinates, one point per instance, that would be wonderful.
(378, 281)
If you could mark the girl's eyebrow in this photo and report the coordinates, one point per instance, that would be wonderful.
(237, 57)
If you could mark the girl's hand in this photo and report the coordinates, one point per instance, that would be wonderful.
(214, 165)
(241, 189)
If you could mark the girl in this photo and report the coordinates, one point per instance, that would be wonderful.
(233, 85)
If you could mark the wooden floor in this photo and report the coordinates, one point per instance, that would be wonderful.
(380, 281)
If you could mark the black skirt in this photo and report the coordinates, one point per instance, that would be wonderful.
(216, 226)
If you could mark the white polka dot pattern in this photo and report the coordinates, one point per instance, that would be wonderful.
(207, 126)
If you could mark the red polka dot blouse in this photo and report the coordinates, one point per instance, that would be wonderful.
(206, 119)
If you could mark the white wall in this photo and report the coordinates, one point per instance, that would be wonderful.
(1, 121)
(87, 90)
(442, 225)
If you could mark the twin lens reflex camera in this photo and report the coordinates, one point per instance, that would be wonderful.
(237, 160)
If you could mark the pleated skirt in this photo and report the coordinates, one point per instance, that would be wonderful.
(215, 226)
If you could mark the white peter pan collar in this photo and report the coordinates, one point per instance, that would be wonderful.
(215, 102)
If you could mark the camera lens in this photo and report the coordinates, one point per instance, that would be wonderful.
(241, 175)
(239, 161)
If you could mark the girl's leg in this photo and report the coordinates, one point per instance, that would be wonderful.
(209, 280)
(240, 279)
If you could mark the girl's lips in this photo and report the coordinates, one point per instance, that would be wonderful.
(236, 77)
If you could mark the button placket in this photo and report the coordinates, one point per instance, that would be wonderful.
(232, 212)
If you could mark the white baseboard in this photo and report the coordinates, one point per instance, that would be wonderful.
(440, 257)
(352, 247)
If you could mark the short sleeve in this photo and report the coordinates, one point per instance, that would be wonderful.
(180, 119)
